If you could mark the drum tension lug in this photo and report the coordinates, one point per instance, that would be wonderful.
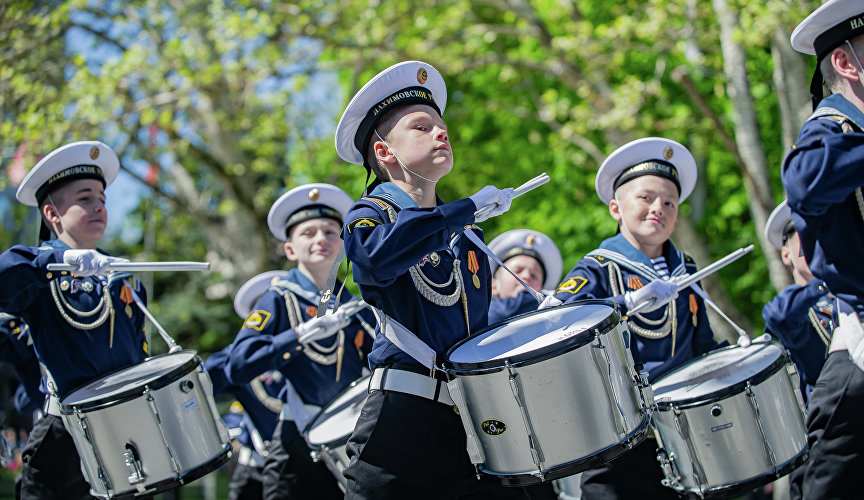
(133, 463)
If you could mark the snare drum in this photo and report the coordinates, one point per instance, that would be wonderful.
(147, 428)
(549, 393)
(328, 432)
(730, 420)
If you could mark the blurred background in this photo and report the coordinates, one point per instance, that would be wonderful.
(218, 107)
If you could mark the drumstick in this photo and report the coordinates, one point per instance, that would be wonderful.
(698, 275)
(172, 346)
(140, 266)
(519, 191)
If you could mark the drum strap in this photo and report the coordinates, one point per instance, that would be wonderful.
(404, 339)
(255, 436)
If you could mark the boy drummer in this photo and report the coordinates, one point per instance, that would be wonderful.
(800, 315)
(643, 183)
(424, 279)
(82, 323)
(534, 258)
(319, 357)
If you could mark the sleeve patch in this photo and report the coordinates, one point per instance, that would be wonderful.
(257, 319)
(572, 285)
(362, 222)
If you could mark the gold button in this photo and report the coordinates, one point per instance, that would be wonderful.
(49, 276)
(286, 355)
(11, 324)
(64, 273)
(299, 348)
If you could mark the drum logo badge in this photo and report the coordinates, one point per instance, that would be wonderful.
(493, 427)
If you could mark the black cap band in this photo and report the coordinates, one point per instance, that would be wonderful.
(516, 251)
(404, 97)
(834, 37)
(660, 168)
(311, 212)
(66, 175)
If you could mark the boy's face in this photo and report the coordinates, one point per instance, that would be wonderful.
(793, 257)
(419, 138)
(504, 286)
(81, 205)
(314, 244)
(646, 209)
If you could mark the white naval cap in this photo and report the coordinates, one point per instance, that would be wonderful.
(647, 156)
(309, 201)
(828, 27)
(825, 29)
(779, 225)
(408, 82)
(252, 290)
(78, 160)
(533, 244)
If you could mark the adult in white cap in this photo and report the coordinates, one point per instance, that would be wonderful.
(800, 315)
(643, 183)
(534, 258)
(823, 178)
(318, 357)
(83, 325)
(399, 241)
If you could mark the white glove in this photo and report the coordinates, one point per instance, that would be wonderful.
(549, 301)
(89, 262)
(323, 327)
(658, 293)
(489, 195)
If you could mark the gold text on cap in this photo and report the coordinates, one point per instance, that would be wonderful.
(421, 76)
(94, 153)
(314, 194)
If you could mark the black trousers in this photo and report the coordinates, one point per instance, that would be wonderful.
(246, 483)
(52, 468)
(834, 433)
(404, 446)
(635, 474)
(290, 473)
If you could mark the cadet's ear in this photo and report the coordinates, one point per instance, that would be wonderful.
(289, 251)
(615, 210)
(50, 214)
(843, 64)
(786, 255)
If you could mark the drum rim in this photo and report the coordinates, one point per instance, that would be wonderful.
(727, 490)
(736, 388)
(165, 379)
(541, 354)
(317, 419)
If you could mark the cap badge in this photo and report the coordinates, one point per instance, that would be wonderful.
(422, 76)
(94, 152)
(275, 280)
(668, 153)
(314, 194)
(531, 240)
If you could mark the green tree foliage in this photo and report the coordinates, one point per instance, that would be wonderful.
(235, 101)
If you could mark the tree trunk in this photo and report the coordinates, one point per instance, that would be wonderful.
(748, 142)
(791, 82)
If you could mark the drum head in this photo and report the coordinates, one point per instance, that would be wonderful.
(720, 372)
(337, 420)
(120, 385)
(535, 334)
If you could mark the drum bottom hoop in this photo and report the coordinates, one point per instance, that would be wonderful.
(736, 489)
(184, 478)
(580, 465)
